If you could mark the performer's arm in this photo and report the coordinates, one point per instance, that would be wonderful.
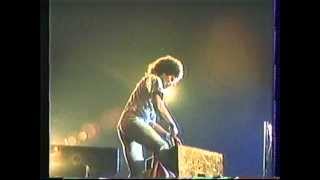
(160, 129)
(165, 113)
(165, 133)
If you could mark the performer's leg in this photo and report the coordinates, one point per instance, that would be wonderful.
(144, 134)
(124, 145)
(133, 155)
(135, 158)
(140, 133)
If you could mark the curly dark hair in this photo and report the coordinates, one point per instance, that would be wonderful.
(168, 65)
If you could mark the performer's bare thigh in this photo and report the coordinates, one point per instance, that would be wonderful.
(144, 134)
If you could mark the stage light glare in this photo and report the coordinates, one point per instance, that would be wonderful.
(83, 136)
(91, 130)
(66, 141)
(56, 149)
(54, 165)
(55, 153)
(170, 94)
(55, 160)
(72, 140)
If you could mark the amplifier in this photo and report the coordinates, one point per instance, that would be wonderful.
(187, 162)
(83, 161)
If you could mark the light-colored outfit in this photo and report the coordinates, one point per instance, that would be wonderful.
(134, 127)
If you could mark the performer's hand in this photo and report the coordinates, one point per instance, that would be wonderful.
(177, 140)
(174, 130)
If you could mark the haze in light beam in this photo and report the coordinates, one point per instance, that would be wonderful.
(170, 94)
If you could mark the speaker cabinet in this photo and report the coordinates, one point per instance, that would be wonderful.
(188, 162)
(82, 161)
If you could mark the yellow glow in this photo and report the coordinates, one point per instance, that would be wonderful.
(56, 153)
(54, 165)
(56, 149)
(55, 160)
(56, 139)
(170, 94)
(66, 141)
(90, 129)
(72, 140)
(82, 136)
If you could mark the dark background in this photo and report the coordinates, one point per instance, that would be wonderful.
(98, 51)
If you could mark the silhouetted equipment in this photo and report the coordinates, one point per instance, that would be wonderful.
(268, 154)
(82, 161)
(188, 162)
